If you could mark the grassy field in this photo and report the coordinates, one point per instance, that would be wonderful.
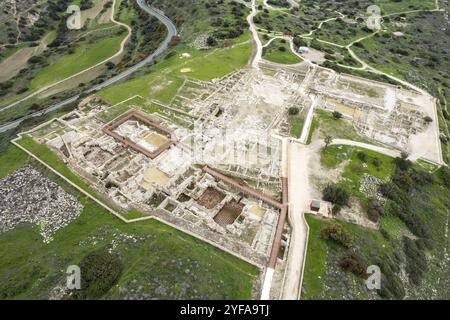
(324, 279)
(388, 6)
(11, 160)
(166, 77)
(280, 52)
(162, 257)
(324, 124)
(84, 57)
(385, 247)
(296, 123)
(333, 155)
(168, 264)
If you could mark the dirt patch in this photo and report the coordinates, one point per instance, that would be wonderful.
(155, 177)
(211, 198)
(11, 66)
(93, 12)
(156, 139)
(229, 213)
(257, 211)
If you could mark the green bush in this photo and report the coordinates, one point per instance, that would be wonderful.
(293, 111)
(336, 234)
(362, 156)
(337, 115)
(376, 162)
(416, 261)
(355, 264)
(444, 174)
(375, 210)
(100, 270)
(336, 195)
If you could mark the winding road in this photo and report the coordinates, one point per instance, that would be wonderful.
(171, 32)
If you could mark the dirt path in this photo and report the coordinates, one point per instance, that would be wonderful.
(259, 48)
(299, 199)
(386, 151)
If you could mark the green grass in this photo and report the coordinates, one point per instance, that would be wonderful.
(394, 226)
(314, 125)
(114, 111)
(84, 57)
(11, 160)
(332, 156)
(30, 269)
(161, 257)
(343, 129)
(323, 256)
(340, 32)
(9, 52)
(389, 6)
(165, 78)
(274, 54)
(296, 124)
(315, 259)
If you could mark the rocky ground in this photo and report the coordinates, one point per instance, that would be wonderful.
(26, 196)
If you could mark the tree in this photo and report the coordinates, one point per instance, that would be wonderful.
(402, 162)
(110, 65)
(337, 115)
(210, 41)
(100, 271)
(335, 194)
(376, 162)
(428, 119)
(293, 111)
(355, 264)
(362, 156)
(328, 139)
(375, 210)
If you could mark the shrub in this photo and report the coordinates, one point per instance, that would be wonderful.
(376, 162)
(337, 115)
(336, 209)
(336, 195)
(336, 234)
(375, 210)
(100, 270)
(444, 174)
(402, 162)
(416, 262)
(355, 264)
(293, 111)
(428, 119)
(210, 41)
(35, 59)
(362, 156)
(403, 180)
(422, 178)
(110, 65)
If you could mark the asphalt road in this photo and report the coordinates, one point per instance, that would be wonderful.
(171, 32)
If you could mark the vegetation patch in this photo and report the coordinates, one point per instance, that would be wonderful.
(279, 51)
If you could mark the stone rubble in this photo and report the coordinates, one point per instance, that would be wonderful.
(369, 185)
(26, 196)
